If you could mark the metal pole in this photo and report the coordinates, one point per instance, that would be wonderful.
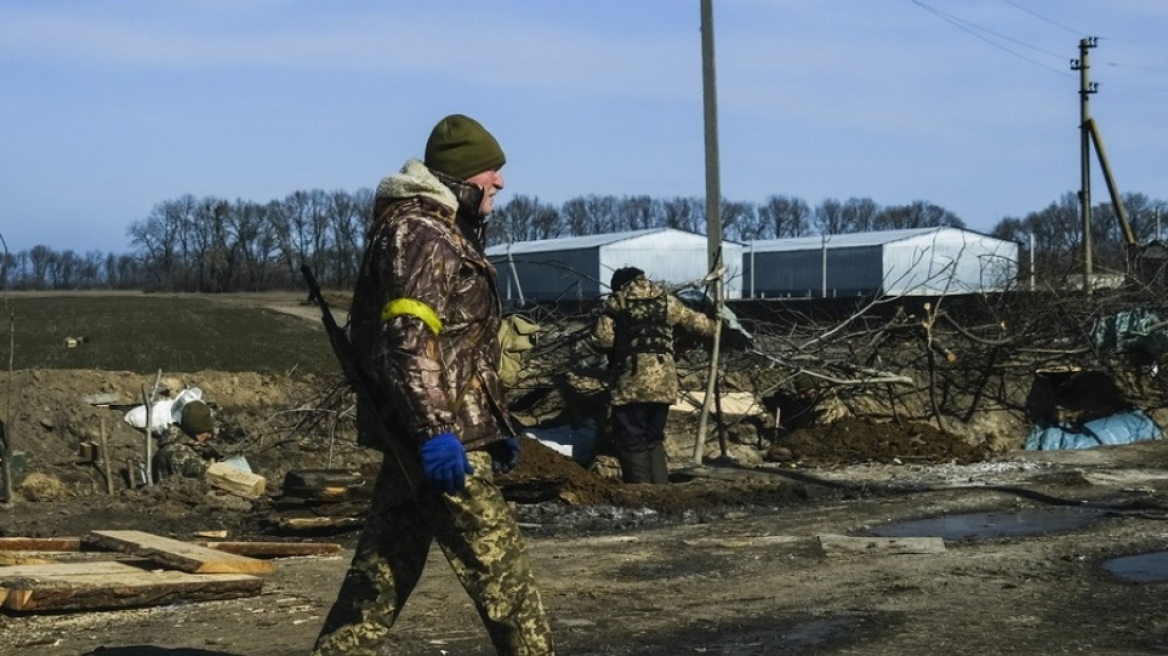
(1032, 285)
(752, 262)
(515, 277)
(823, 266)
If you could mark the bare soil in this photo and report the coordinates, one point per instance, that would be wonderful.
(724, 560)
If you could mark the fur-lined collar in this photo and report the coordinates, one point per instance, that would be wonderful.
(415, 179)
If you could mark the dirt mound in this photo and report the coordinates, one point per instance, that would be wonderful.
(856, 440)
(545, 475)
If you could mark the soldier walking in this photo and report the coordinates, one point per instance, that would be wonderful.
(424, 322)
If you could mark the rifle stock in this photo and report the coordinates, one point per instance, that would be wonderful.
(368, 394)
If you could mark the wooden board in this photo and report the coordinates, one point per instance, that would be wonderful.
(327, 485)
(836, 545)
(318, 523)
(40, 544)
(274, 549)
(180, 555)
(73, 586)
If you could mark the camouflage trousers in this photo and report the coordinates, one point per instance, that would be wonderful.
(479, 536)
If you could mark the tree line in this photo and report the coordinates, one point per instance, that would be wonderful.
(210, 244)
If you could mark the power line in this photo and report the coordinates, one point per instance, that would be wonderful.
(974, 30)
(977, 31)
(1044, 18)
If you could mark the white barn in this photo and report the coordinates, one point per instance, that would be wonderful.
(579, 268)
(912, 262)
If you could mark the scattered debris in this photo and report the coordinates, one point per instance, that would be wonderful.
(840, 545)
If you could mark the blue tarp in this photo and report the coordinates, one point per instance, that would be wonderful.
(1138, 330)
(1121, 428)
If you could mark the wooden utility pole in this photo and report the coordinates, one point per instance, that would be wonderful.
(713, 212)
(1086, 88)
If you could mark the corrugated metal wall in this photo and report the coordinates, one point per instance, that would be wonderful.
(850, 271)
(950, 261)
(942, 261)
(672, 257)
(550, 275)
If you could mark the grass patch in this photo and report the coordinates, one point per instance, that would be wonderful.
(146, 333)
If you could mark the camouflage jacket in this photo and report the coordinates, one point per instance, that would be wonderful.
(638, 375)
(425, 314)
(179, 454)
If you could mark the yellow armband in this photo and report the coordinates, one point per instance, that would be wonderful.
(414, 308)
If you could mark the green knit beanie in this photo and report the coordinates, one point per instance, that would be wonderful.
(196, 418)
(461, 148)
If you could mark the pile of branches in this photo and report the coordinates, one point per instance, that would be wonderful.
(941, 359)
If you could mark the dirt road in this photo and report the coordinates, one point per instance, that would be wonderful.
(1033, 580)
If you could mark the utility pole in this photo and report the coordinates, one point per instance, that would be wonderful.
(1086, 88)
(710, 110)
(713, 212)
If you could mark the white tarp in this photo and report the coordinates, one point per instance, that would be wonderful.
(162, 413)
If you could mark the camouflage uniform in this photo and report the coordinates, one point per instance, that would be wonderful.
(179, 454)
(810, 405)
(637, 327)
(424, 319)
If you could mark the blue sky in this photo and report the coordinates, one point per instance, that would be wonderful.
(109, 107)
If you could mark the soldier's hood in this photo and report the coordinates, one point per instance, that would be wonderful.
(415, 179)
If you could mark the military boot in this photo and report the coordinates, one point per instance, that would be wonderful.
(636, 465)
(658, 464)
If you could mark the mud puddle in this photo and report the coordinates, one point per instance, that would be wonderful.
(990, 525)
(1140, 568)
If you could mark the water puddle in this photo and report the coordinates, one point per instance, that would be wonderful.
(1140, 568)
(971, 526)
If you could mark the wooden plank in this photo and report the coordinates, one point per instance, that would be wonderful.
(837, 545)
(77, 568)
(13, 558)
(40, 544)
(327, 485)
(236, 481)
(180, 555)
(315, 523)
(74, 586)
(315, 479)
(274, 549)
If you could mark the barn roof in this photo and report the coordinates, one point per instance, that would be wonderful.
(855, 239)
(577, 243)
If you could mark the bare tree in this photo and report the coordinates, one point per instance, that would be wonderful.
(684, 213)
(787, 216)
(524, 218)
(829, 217)
(918, 214)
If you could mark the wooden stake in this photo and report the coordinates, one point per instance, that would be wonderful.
(105, 463)
(148, 449)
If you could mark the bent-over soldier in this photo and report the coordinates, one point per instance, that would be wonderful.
(636, 328)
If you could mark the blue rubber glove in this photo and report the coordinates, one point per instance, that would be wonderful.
(504, 455)
(444, 463)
